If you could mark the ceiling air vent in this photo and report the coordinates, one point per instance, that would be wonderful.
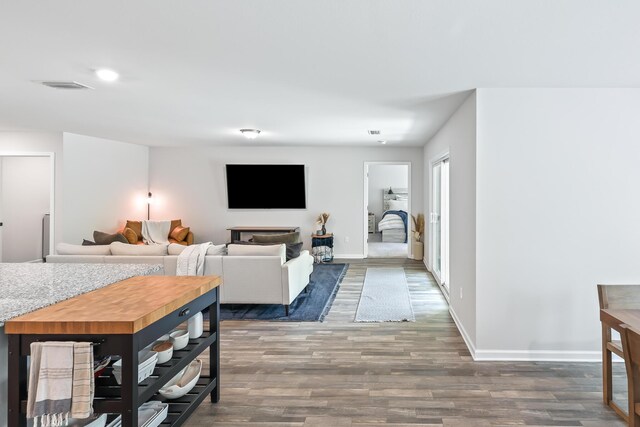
(374, 132)
(66, 85)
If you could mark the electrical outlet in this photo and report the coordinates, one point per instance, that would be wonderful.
(460, 292)
(346, 239)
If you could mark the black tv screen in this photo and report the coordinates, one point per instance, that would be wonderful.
(266, 187)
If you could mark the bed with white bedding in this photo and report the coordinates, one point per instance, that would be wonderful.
(393, 224)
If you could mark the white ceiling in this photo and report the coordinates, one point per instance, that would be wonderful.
(303, 71)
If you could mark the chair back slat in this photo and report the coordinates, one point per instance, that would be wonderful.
(619, 296)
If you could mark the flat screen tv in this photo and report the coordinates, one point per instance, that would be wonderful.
(266, 187)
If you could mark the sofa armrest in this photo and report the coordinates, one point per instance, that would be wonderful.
(295, 275)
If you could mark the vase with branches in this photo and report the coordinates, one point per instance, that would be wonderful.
(322, 220)
(418, 227)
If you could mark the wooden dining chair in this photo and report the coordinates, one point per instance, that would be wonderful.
(631, 348)
(614, 297)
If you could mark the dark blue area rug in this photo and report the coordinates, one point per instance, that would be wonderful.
(311, 306)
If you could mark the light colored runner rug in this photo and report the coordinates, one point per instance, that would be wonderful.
(385, 297)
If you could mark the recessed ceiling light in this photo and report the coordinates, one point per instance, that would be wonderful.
(107, 75)
(374, 132)
(250, 133)
(382, 142)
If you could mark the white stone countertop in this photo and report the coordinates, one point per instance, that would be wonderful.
(27, 287)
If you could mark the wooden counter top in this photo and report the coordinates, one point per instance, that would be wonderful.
(121, 308)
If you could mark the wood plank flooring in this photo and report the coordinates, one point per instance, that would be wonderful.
(340, 373)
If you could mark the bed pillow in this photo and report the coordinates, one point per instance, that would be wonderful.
(398, 205)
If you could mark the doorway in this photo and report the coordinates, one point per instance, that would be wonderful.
(26, 206)
(387, 210)
(439, 221)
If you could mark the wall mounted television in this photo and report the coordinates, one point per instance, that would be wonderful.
(266, 186)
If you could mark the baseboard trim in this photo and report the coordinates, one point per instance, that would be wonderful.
(463, 333)
(349, 256)
(538, 356)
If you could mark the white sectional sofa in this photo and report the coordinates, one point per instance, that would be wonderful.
(250, 274)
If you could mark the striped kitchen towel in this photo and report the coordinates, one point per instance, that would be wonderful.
(60, 382)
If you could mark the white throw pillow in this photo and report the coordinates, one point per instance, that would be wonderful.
(217, 250)
(175, 248)
(69, 249)
(118, 248)
(258, 250)
(398, 205)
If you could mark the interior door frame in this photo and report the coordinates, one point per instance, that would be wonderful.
(430, 259)
(52, 187)
(365, 210)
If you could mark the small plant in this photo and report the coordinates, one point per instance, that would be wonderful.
(418, 227)
(323, 218)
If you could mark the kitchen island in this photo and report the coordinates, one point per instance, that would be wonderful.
(28, 287)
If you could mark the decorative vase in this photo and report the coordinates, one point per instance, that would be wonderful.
(324, 230)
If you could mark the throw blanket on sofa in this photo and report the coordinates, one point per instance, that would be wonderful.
(155, 232)
(191, 260)
(394, 220)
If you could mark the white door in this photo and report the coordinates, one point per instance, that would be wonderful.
(439, 221)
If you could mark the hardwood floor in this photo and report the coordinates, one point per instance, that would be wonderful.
(339, 373)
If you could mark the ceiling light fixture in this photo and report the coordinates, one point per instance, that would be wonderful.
(107, 75)
(250, 133)
(374, 132)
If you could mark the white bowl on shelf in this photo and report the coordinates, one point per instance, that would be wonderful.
(164, 355)
(184, 382)
(179, 339)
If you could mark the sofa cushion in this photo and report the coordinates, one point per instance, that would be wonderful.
(277, 238)
(102, 238)
(130, 235)
(175, 248)
(175, 223)
(118, 248)
(217, 250)
(259, 250)
(293, 250)
(136, 226)
(179, 233)
(69, 249)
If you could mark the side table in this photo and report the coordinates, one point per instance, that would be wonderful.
(322, 247)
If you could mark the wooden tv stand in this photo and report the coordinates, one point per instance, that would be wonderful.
(236, 232)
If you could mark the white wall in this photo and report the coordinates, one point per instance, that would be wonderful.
(25, 199)
(190, 184)
(105, 183)
(557, 213)
(458, 138)
(40, 142)
(381, 177)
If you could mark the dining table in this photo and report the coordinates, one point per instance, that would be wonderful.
(614, 319)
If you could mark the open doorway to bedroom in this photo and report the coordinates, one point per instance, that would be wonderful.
(387, 209)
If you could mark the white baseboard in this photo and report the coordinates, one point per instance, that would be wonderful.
(465, 336)
(538, 355)
(349, 256)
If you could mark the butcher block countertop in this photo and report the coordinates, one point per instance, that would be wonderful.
(124, 307)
